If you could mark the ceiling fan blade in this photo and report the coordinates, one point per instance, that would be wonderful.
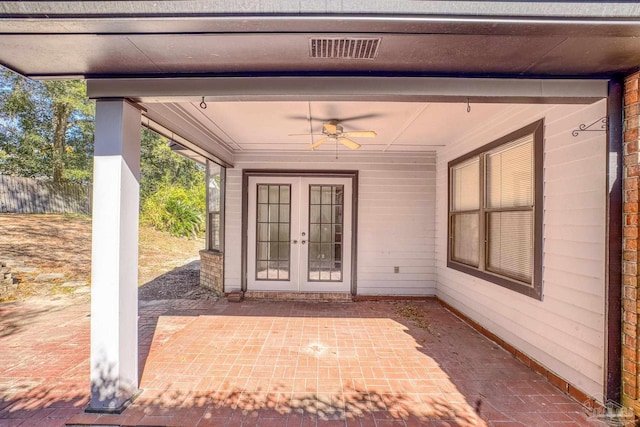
(360, 134)
(349, 143)
(333, 116)
(361, 117)
(318, 143)
(304, 134)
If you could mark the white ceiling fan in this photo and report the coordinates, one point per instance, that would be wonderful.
(333, 131)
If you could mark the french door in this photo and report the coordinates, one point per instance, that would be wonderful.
(299, 234)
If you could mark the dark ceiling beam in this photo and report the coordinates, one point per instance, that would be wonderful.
(308, 88)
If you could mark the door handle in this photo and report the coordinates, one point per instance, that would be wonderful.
(294, 242)
(303, 241)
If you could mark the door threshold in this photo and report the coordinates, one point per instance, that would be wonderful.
(300, 296)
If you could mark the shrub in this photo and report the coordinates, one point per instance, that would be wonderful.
(175, 209)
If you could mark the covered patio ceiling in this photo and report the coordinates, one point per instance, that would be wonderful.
(231, 129)
(224, 118)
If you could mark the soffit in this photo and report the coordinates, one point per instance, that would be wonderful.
(99, 46)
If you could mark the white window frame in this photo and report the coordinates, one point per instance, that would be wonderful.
(480, 270)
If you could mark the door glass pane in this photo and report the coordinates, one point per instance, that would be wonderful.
(274, 212)
(337, 214)
(272, 272)
(273, 232)
(283, 270)
(274, 194)
(314, 214)
(263, 213)
(314, 195)
(314, 251)
(284, 213)
(337, 253)
(338, 195)
(314, 232)
(325, 233)
(262, 250)
(261, 269)
(326, 195)
(285, 194)
(263, 194)
(263, 232)
(465, 238)
(325, 214)
(283, 231)
(283, 251)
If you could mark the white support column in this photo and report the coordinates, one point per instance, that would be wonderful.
(114, 265)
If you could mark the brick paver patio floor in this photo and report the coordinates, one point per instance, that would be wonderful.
(259, 363)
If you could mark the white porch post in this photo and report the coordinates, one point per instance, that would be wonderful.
(114, 265)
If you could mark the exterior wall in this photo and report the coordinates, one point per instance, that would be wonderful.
(396, 205)
(211, 270)
(630, 392)
(565, 331)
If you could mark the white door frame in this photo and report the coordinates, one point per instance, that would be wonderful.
(352, 255)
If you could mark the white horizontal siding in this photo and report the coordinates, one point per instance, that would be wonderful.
(233, 230)
(565, 331)
(396, 206)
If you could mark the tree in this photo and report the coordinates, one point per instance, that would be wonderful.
(172, 189)
(160, 166)
(46, 128)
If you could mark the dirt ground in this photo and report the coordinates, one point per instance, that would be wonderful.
(169, 266)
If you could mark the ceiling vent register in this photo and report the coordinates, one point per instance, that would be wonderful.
(344, 48)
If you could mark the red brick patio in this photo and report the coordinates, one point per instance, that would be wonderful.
(263, 363)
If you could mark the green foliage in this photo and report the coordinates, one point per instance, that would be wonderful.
(46, 128)
(172, 189)
(176, 209)
(159, 166)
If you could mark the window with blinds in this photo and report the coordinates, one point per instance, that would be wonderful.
(495, 211)
(215, 206)
(465, 209)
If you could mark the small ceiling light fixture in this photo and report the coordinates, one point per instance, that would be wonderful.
(203, 104)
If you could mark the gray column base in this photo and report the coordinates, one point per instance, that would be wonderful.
(115, 405)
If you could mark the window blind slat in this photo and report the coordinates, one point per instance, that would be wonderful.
(466, 186)
(510, 175)
(466, 238)
(510, 243)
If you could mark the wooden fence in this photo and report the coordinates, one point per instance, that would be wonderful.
(29, 195)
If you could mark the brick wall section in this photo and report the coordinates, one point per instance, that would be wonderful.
(212, 271)
(630, 278)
